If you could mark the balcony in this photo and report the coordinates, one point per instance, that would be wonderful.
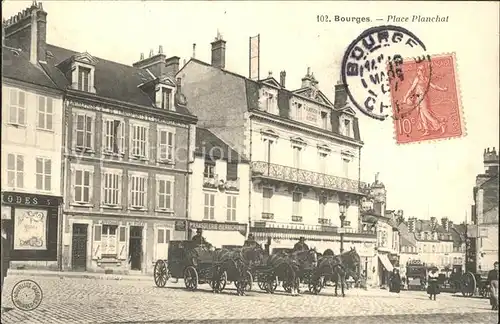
(232, 184)
(210, 181)
(268, 216)
(297, 219)
(324, 221)
(305, 177)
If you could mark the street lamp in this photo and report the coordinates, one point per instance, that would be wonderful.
(343, 205)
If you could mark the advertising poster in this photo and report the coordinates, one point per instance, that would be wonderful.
(30, 229)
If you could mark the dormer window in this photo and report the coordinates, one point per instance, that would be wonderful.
(166, 98)
(347, 127)
(298, 110)
(269, 102)
(84, 79)
(324, 120)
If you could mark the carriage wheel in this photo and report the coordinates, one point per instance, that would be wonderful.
(249, 281)
(191, 278)
(245, 284)
(220, 283)
(468, 284)
(161, 273)
(287, 286)
(315, 285)
(262, 285)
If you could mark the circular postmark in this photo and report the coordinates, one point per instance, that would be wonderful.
(27, 295)
(373, 65)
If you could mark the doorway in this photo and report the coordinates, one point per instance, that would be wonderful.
(135, 248)
(79, 247)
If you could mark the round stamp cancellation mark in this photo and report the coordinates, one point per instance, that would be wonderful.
(371, 61)
(27, 295)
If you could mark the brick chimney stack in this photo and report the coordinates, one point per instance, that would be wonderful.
(307, 79)
(154, 63)
(445, 223)
(411, 224)
(491, 161)
(28, 31)
(340, 95)
(172, 66)
(282, 78)
(219, 52)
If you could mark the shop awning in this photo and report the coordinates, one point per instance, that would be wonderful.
(220, 238)
(385, 262)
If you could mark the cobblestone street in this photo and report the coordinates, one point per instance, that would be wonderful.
(72, 300)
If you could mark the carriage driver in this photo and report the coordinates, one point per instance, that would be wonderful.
(198, 238)
(300, 245)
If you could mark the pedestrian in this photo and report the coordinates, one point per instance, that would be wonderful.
(493, 283)
(5, 255)
(433, 285)
(395, 282)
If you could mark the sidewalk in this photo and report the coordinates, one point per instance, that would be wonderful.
(73, 274)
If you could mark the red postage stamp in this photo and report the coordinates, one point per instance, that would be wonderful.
(426, 100)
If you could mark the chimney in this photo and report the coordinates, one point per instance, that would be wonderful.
(219, 52)
(340, 95)
(445, 224)
(491, 161)
(433, 221)
(194, 50)
(178, 84)
(172, 66)
(411, 224)
(154, 63)
(28, 31)
(282, 78)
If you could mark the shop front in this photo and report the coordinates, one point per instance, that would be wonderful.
(102, 243)
(220, 234)
(31, 222)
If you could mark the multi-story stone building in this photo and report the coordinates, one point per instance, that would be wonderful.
(485, 211)
(436, 244)
(375, 216)
(304, 151)
(219, 191)
(32, 127)
(128, 141)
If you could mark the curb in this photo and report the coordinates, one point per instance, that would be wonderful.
(95, 276)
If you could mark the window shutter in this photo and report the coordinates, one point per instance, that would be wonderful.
(93, 121)
(173, 147)
(130, 140)
(73, 130)
(91, 190)
(157, 190)
(103, 186)
(97, 243)
(129, 203)
(104, 144)
(120, 189)
(122, 242)
(158, 145)
(121, 136)
(148, 147)
(146, 200)
(73, 182)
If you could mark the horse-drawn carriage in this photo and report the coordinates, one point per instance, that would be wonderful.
(200, 264)
(473, 282)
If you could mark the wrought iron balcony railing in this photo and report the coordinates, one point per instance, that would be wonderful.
(210, 181)
(306, 177)
(324, 221)
(233, 184)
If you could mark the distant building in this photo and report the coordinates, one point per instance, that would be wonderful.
(436, 244)
(485, 211)
(304, 151)
(219, 191)
(32, 137)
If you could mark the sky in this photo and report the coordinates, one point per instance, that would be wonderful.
(425, 179)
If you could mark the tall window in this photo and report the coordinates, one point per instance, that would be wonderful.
(114, 136)
(345, 168)
(322, 162)
(267, 194)
(84, 134)
(109, 240)
(324, 120)
(209, 171)
(164, 191)
(82, 186)
(269, 102)
(139, 141)
(15, 170)
(43, 174)
(165, 98)
(166, 145)
(45, 113)
(83, 78)
(297, 198)
(231, 208)
(298, 111)
(267, 149)
(323, 199)
(232, 171)
(296, 156)
(163, 238)
(112, 189)
(347, 127)
(17, 109)
(138, 191)
(209, 206)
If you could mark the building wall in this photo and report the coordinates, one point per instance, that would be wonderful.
(488, 246)
(30, 141)
(439, 253)
(96, 214)
(197, 197)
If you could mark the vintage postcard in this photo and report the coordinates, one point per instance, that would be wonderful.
(249, 162)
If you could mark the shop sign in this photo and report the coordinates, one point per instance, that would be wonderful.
(217, 226)
(30, 229)
(180, 225)
(26, 199)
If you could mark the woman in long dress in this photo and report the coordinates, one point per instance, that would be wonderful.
(417, 96)
(395, 282)
(433, 285)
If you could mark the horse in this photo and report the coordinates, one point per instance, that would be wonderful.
(338, 267)
(302, 262)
